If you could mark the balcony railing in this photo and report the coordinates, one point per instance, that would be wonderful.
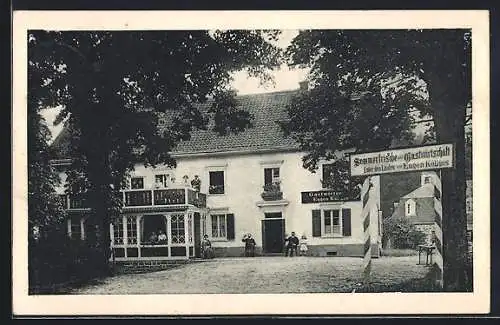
(135, 198)
(149, 197)
(77, 202)
(170, 196)
(196, 198)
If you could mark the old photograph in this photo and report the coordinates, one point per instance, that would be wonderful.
(228, 160)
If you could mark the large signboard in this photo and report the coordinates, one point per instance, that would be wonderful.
(403, 160)
(323, 196)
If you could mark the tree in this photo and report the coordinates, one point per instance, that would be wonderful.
(114, 86)
(44, 208)
(403, 233)
(368, 86)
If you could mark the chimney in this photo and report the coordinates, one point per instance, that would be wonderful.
(396, 205)
(304, 85)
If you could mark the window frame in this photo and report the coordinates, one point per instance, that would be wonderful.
(220, 170)
(81, 227)
(218, 215)
(271, 164)
(274, 179)
(177, 232)
(138, 177)
(165, 178)
(131, 229)
(410, 208)
(118, 228)
(340, 223)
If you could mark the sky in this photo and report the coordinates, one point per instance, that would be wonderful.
(284, 77)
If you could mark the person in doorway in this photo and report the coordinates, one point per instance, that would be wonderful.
(292, 244)
(303, 245)
(162, 237)
(206, 248)
(249, 245)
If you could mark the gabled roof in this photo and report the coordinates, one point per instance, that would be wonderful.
(424, 211)
(267, 110)
(426, 190)
(265, 134)
(424, 206)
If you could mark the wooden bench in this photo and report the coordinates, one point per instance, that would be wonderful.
(428, 250)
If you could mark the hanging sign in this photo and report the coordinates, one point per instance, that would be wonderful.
(403, 160)
(323, 196)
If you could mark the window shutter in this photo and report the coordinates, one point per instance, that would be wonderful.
(316, 223)
(230, 226)
(346, 222)
(268, 176)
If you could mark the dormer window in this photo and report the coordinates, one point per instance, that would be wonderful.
(410, 208)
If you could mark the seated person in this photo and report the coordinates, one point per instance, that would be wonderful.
(153, 238)
(162, 236)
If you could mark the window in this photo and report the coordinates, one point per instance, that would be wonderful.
(177, 229)
(410, 208)
(331, 222)
(162, 180)
(75, 228)
(118, 231)
(137, 182)
(427, 179)
(271, 175)
(222, 226)
(131, 230)
(273, 215)
(219, 225)
(216, 185)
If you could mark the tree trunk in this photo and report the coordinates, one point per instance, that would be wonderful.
(449, 118)
(101, 217)
(99, 176)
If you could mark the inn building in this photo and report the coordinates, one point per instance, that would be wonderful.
(250, 182)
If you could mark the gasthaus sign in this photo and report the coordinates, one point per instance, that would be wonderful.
(403, 160)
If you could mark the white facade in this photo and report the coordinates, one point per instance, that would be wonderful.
(243, 185)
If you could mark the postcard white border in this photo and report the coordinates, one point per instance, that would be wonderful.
(380, 303)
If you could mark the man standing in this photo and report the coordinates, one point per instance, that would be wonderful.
(293, 243)
(249, 245)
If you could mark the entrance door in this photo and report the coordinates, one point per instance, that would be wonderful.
(197, 235)
(273, 235)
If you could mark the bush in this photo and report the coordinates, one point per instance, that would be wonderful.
(57, 259)
(402, 233)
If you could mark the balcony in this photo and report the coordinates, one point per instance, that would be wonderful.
(272, 192)
(149, 197)
(72, 202)
(164, 197)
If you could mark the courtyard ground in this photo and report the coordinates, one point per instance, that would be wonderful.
(265, 275)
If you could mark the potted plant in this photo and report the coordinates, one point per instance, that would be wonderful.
(272, 191)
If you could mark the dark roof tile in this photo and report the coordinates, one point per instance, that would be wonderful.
(267, 109)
